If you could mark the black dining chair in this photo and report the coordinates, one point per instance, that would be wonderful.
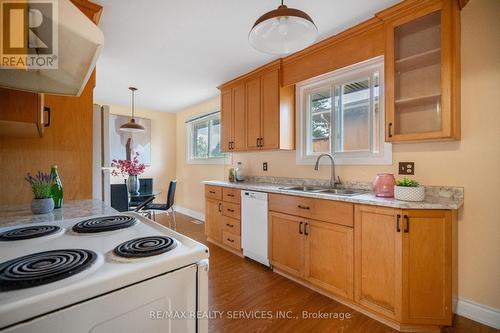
(119, 197)
(167, 207)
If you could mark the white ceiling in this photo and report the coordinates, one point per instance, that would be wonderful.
(177, 51)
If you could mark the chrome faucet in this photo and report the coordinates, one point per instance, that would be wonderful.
(333, 181)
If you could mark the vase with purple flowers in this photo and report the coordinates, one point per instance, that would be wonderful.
(40, 186)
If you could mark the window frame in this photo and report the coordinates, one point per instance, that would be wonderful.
(190, 125)
(333, 79)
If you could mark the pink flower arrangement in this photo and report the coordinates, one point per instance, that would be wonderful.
(128, 168)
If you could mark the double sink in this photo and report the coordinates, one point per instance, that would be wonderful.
(323, 190)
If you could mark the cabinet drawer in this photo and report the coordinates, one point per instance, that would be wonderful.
(213, 192)
(231, 195)
(231, 225)
(231, 210)
(316, 209)
(231, 240)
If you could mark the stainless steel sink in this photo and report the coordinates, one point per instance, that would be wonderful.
(323, 190)
(339, 191)
(303, 188)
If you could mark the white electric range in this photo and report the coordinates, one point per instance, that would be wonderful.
(123, 273)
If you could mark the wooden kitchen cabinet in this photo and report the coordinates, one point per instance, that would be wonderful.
(318, 252)
(422, 79)
(223, 217)
(404, 264)
(233, 119)
(329, 257)
(427, 267)
(377, 260)
(286, 243)
(22, 114)
(213, 219)
(256, 112)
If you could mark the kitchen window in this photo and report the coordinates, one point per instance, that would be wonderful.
(342, 113)
(203, 137)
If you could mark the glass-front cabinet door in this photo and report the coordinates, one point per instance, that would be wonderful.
(422, 85)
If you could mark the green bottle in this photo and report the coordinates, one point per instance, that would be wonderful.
(56, 189)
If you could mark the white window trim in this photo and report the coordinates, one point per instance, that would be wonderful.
(342, 75)
(189, 146)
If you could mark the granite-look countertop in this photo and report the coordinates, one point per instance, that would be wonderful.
(21, 214)
(441, 198)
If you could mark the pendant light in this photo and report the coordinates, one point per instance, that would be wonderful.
(132, 126)
(283, 31)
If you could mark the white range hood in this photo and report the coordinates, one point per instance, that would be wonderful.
(79, 44)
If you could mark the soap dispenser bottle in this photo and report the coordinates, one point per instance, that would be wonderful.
(238, 172)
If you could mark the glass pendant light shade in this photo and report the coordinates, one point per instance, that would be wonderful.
(283, 31)
(132, 126)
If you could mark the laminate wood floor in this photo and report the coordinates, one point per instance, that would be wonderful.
(246, 294)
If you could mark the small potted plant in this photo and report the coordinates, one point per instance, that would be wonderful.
(408, 190)
(131, 168)
(41, 185)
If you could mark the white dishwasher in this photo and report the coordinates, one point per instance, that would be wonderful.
(254, 226)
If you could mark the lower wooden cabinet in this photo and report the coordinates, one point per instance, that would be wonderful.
(213, 219)
(377, 260)
(286, 243)
(319, 252)
(223, 217)
(428, 279)
(329, 257)
(403, 263)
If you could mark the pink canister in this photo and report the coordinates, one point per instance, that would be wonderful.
(383, 185)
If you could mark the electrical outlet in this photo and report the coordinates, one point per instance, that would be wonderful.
(264, 166)
(406, 168)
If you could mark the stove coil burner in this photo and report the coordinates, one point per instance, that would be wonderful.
(105, 223)
(28, 232)
(145, 247)
(43, 267)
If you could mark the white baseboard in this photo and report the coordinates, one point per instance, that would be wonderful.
(478, 312)
(189, 212)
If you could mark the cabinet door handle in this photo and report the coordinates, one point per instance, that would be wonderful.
(47, 109)
(230, 240)
(261, 142)
(257, 142)
(230, 210)
(407, 224)
(305, 229)
(220, 207)
(398, 218)
(230, 195)
(303, 207)
(300, 228)
(230, 225)
(213, 192)
(390, 130)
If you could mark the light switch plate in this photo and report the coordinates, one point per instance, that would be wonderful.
(264, 166)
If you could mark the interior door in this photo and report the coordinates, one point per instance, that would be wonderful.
(377, 259)
(329, 257)
(213, 219)
(427, 272)
(226, 119)
(270, 124)
(239, 119)
(253, 115)
(286, 243)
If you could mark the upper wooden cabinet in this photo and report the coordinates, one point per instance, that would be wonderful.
(422, 84)
(256, 112)
(22, 113)
(403, 262)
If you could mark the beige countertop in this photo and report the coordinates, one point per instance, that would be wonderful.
(440, 198)
(21, 214)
